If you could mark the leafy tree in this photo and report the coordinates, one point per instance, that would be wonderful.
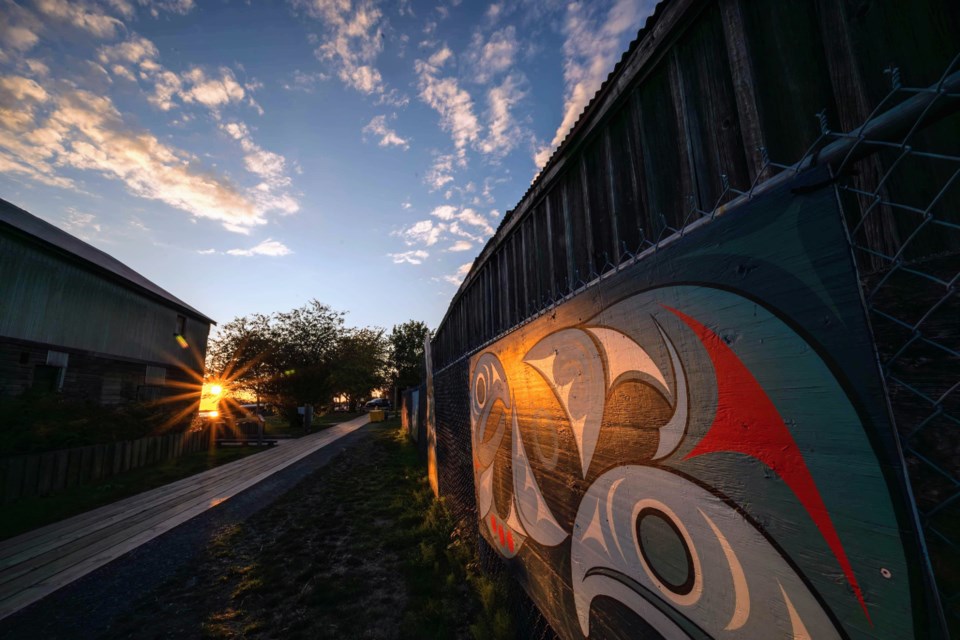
(361, 364)
(307, 340)
(302, 356)
(242, 352)
(406, 353)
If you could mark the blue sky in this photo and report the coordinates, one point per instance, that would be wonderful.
(249, 156)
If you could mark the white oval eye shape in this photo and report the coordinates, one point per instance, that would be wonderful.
(722, 549)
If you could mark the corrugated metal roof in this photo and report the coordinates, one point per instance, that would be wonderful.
(92, 258)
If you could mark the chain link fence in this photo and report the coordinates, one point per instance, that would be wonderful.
(897, 176)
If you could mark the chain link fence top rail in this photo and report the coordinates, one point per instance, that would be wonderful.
(898, 180)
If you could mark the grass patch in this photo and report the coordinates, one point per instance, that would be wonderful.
(30, 513)
(277, 425)
(358, 549)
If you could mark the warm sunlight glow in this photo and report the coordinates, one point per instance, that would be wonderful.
(216, 389)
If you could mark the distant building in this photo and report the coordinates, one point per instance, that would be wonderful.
(77, 321)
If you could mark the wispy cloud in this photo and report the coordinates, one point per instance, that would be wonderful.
(137, 59)
(79, 130)
(352, 42)
(492, 56)
(593, 42)
(272, 248)
(272, 192)
(461, 245)
(440, 172)
(306, 82)
(464, 215)
(424, 232)
(19, 29)
(454, 104)
(457, 278)
(503, 132)
(387, 137)
(416, 256)
(81, 224)
(156, 7)
(80, 15)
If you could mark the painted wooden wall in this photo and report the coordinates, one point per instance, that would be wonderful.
(707, 84)
(520, 393)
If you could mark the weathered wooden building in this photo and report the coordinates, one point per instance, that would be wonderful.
(757, 209)
(76, 320)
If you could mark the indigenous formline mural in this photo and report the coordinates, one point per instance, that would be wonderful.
(697, 447)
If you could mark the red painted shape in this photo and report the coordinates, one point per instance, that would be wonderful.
(510, 541)
(493, 522)
(747, 422)
(500, 531)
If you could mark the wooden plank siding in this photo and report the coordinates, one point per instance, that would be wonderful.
(705, 86)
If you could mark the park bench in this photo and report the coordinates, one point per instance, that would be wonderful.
(245, 432)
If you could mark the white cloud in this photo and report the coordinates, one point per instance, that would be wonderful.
(80, 15)
(195, 86)
(212, 92)
(406, 205)
(272, 248)
(206, 252)
(167, 85)
(424, 232)
(388, 137)
(496, 55)
(416, 256)
(457, 229)
(592, 45)
(155, 7)
(19, 29)
(440, 173)
(18, 38)
(503, 131)
(352, 42)
(456, 217)
(83, 225)
(457, 278)
(471, 217)
(444, 212)
(305, 82)
(440, 58)
(461, 245)
(37, 67)
(82, 131)
(454, 105)
(269, 167)
(133, 51)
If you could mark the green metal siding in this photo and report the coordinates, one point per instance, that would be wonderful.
(44, 298)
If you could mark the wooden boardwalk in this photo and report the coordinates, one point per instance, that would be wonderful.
(39, 562)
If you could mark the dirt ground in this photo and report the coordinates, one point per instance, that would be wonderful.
(354, 551)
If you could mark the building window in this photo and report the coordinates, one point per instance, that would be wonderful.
(50, 376)
(181, 325)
